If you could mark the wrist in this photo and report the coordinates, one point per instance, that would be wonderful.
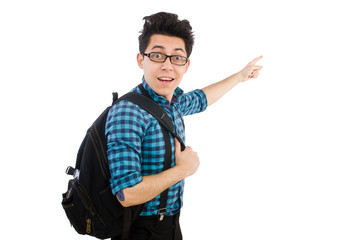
(180, 172)
(241, 77)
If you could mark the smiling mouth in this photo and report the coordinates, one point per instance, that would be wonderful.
(164, 79)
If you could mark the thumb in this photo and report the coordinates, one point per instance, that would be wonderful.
(177, 146)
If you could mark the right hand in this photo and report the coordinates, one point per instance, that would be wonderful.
(251, 70)
(187, 160)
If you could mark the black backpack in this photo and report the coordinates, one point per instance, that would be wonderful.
(89, 203)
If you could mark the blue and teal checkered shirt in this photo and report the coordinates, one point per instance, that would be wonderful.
(136, 147)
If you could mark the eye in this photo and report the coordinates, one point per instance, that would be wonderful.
(157, 56)
(179, 60)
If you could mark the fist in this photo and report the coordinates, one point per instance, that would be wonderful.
(187, 161)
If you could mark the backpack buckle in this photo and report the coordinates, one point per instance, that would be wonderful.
(72, 171)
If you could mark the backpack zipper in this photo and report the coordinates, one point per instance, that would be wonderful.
(98, 154)
(103, 151)
(89, 226)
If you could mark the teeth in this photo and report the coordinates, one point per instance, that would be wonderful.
(166, 79)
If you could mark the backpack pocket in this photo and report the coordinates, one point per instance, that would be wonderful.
(81, 212)
(70, 205)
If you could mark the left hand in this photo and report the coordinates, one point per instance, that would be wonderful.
(251, 70)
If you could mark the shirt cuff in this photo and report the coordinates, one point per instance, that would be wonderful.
(203, 97)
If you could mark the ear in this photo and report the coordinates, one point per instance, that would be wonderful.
(187, 65)
(140, 60)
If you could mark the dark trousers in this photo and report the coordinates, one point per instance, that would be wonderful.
(151, 228)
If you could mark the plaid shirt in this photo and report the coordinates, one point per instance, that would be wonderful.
(136, 146)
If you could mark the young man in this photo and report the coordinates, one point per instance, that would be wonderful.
(136, 146)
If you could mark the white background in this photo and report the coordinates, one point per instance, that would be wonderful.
(281, 155)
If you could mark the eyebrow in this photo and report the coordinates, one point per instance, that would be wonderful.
(162, 47)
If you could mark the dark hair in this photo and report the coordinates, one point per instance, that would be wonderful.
(166, 24)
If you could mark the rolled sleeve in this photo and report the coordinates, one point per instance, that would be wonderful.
(193, 102)
(124, 132)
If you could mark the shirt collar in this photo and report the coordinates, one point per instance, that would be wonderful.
(160, 99)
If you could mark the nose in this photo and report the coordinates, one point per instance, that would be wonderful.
(167, 65)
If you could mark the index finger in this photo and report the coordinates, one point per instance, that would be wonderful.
(256, 60)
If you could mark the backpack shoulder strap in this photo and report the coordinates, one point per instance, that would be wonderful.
(155, 110)
(145, 93)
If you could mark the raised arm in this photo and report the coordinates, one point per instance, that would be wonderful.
(215, 91)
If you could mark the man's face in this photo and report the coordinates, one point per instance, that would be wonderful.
(164, 77)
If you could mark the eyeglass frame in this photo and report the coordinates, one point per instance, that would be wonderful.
(166, 56)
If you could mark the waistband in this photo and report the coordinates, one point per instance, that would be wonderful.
(166, 220)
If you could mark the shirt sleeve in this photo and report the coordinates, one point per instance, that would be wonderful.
(124, 132)
(193, 102)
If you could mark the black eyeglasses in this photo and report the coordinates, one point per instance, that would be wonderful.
(160, 57)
